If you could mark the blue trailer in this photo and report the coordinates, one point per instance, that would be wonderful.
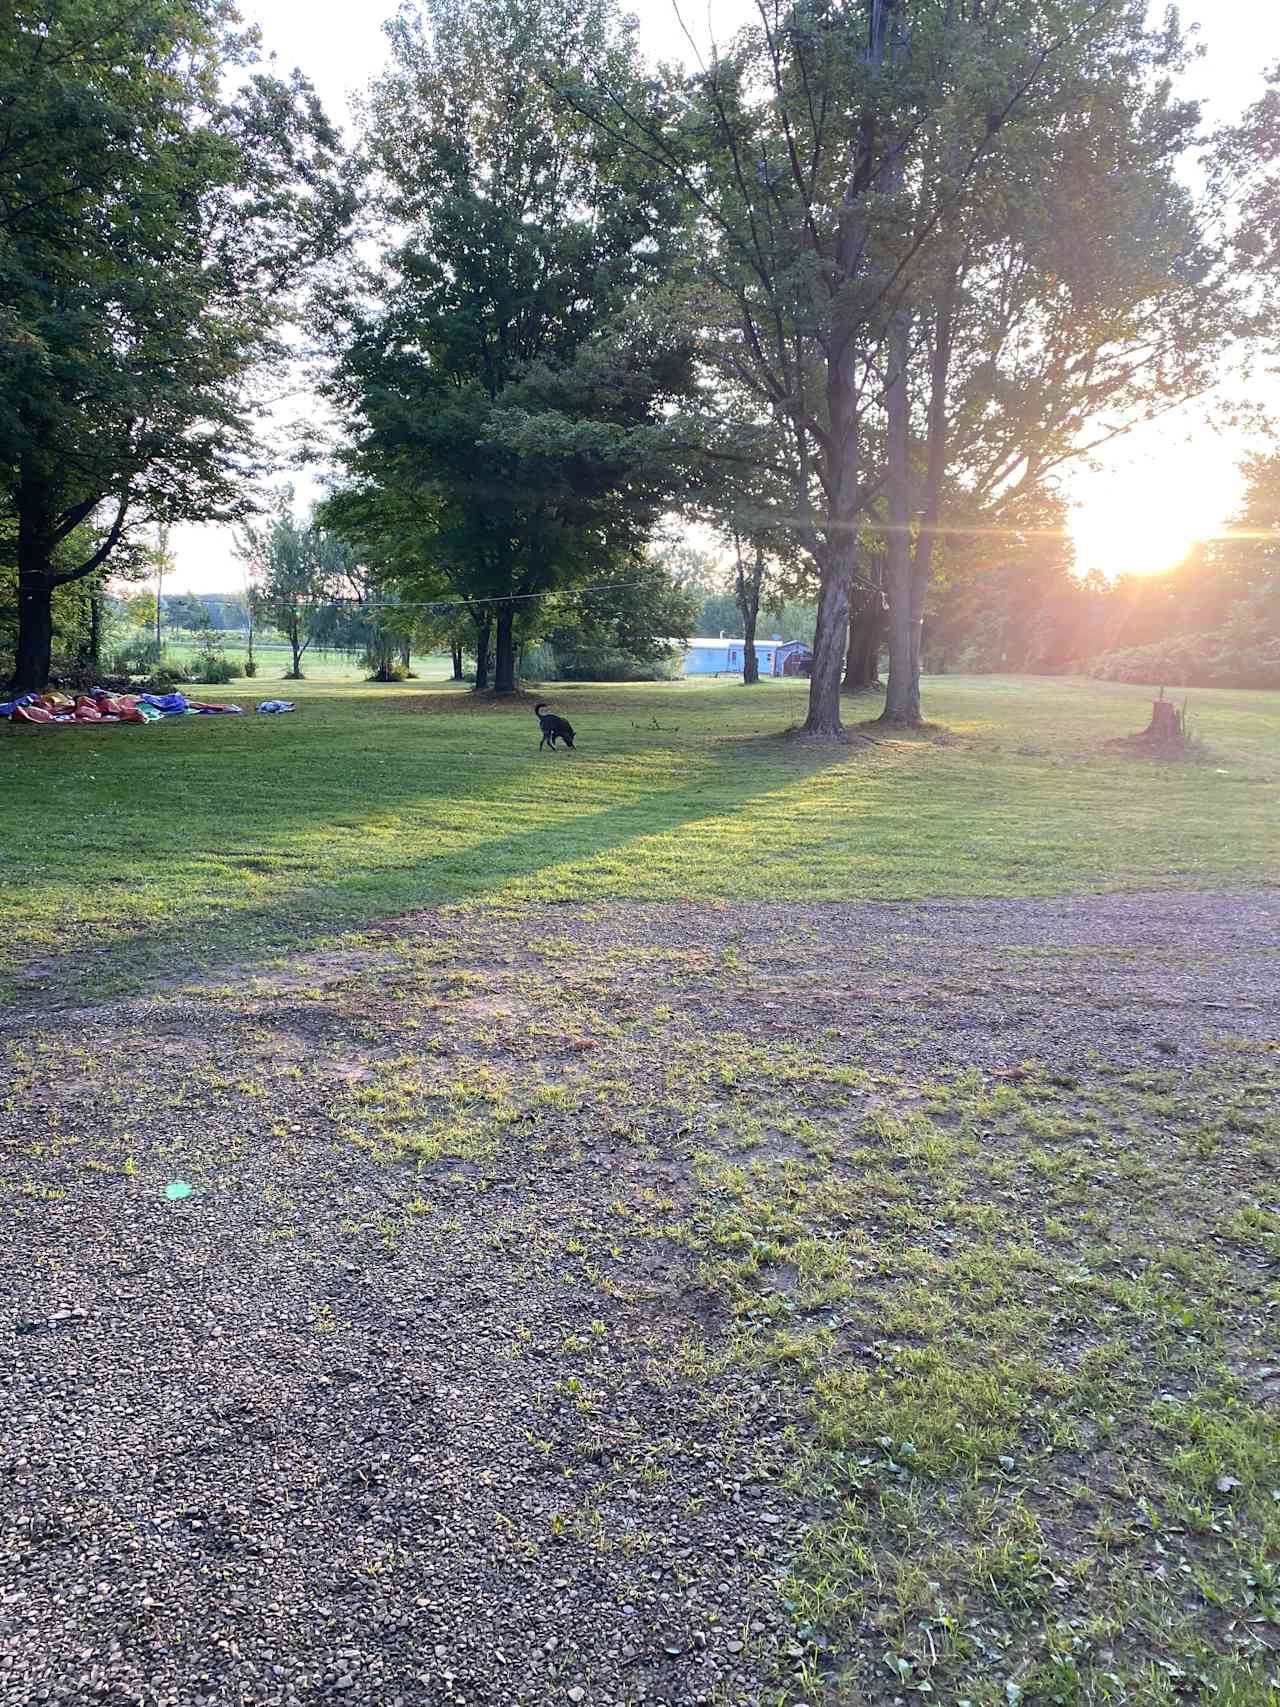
(723, 656)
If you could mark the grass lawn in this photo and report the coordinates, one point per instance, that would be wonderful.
(234, 839)
(921, 1261)
(273, 660)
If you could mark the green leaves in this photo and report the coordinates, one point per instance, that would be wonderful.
(510, 391)
(150, 232)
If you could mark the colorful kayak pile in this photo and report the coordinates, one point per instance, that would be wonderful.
(99, 706)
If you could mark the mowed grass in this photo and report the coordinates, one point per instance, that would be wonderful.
(274, 658)
(204, 838)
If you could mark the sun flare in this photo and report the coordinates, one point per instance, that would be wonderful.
(1122, 541)
(1145, 518)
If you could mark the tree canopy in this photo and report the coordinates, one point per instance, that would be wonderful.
(850, 293)
(506, 371)
(151, 229)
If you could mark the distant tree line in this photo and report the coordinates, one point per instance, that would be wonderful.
(1212, 620)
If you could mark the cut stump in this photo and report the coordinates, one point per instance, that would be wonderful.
(1166, 722)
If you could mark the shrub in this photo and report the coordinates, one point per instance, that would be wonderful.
(209, 663)
(71, 676)
(538, 664)
(597, 664)
(215, 670)
(136, 659)
(1214, 660)
(165, 678)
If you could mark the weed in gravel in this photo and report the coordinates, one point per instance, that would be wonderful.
(953, 1367)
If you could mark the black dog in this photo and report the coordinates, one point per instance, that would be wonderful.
(552, 726)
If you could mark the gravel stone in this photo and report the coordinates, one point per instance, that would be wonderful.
(313, 1431)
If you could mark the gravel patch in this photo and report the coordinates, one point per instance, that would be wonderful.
(329, 1429)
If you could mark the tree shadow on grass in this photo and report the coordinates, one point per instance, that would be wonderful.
(546, 864)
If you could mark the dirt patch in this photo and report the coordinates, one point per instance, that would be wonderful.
(506, 1009)
(1190, 752)
(321, 970)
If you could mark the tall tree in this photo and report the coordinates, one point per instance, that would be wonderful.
(834, 159)
(1246, 177)
(151, 230)
(305, 569)
(1089, 295)
(498, 371)
(619, 625)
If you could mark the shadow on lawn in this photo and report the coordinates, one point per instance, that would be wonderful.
(305, 915)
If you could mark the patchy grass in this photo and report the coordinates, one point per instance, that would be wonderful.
(1035, 1350)
(131, 851)
(988, 1332)
(1023, 1322)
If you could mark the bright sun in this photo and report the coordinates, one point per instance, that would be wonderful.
(1145, 517)
(1119, 541)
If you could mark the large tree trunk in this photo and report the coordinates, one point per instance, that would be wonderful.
(457, 662)
(750, 663)
(406, 654)
(842, 544)
(504, 656)
(902, 699)
(33, 653)
(95, 628)
(484, 632)
(935, 462)
(35, 632)
(747, 592)
(40, 529)
(862, 662)
(843, 425)
(828, 648)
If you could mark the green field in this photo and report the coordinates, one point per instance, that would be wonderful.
(205, 838)
(273, 660)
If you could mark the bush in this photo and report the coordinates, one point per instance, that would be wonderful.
(165, 679)
(1213, 660)
(214, 670)
(596, 664)
(251, 668)
(538, 664)
(71, 676)
(136, 659)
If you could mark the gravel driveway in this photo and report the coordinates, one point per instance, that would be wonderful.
(334, 1429)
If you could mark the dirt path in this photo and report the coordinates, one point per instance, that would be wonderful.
(419, 1396)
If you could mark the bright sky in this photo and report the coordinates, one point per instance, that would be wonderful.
(1158, 490)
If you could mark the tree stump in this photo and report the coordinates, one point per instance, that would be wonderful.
(1167, 722)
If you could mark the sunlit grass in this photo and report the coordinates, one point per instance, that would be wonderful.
(206, 836)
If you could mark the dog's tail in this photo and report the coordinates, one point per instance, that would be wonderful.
(538, 709)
